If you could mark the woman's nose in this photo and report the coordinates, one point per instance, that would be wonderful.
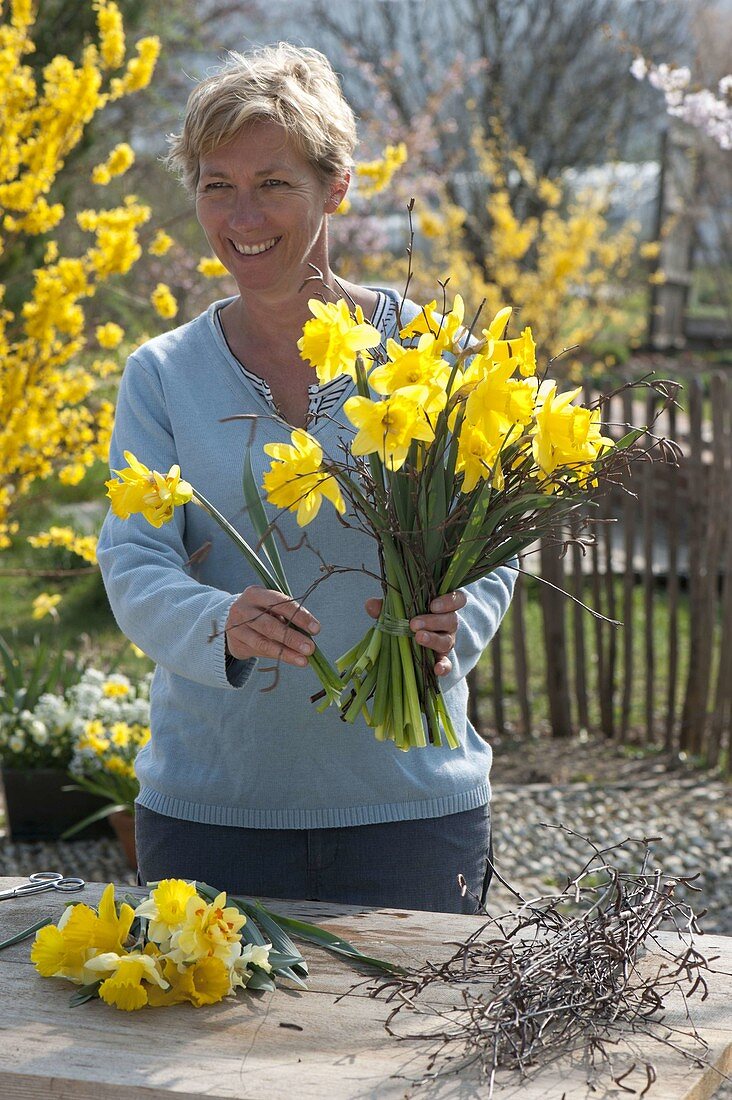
(246, 212)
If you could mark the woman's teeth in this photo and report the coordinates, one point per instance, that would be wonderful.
(255, 249)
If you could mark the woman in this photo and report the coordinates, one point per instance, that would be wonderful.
(243, 784)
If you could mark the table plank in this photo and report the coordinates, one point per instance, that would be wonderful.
(238, 1048)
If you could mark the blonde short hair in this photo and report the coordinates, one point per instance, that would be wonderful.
(291, 86)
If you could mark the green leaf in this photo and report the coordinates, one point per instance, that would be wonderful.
(629, 438)
(266, 575)
(258, 516)
(96, 816)
(85, 993)
(312, 933)
(26, 933)
(261, 980)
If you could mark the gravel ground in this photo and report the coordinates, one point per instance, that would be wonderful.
(691, 816)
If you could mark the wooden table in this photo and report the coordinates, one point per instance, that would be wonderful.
(244, 1048)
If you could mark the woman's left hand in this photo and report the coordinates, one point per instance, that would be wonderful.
(435, 629)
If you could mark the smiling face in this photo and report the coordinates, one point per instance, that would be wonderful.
(262, 206)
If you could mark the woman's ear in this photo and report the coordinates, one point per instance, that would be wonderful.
(337, 192)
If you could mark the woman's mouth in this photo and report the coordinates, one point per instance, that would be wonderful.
(254, 249)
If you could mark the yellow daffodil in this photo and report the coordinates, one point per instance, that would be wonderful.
(208, 930)
(251, 955)
(521, 351)
(447, 330)
(147, 492)
(478, 457)
(333, 339)
(502, 400)
(497, 327)
(67, 949)
(165, 908)
(204, 982)
(108, 930)
(124, 988)
(53, 957)
(297, 481)
(418, 366)
(388, 427)
(46, 604)
(566, 434)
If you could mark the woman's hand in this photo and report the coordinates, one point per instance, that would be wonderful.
(260, 624)
(435, 630)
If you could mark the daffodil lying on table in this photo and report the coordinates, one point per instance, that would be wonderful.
(183, 943)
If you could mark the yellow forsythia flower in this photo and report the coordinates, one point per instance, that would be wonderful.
(111, 33)
(119, 160)
(160, 244)
(46, 604)
(211, 267)
(376, 175)
(649, 250)
(430, 225)
(138, 73)
(163, 301)
(109, 335)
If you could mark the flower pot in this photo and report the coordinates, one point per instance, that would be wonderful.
(123, 823)
(39, 809)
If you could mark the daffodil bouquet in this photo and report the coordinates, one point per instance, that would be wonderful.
(457, 458)
(184, 943)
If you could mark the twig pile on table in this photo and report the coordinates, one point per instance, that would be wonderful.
(563, 974)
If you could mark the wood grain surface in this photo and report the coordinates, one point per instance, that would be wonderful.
(246, 1047)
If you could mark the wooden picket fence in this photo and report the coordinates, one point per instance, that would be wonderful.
(661, 564)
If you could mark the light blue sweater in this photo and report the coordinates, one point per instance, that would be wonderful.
(224, 749)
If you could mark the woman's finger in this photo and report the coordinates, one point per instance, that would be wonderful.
(261, 623)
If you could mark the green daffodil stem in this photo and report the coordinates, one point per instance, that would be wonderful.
(319, 663)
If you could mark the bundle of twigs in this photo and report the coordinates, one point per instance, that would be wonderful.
(563, 974)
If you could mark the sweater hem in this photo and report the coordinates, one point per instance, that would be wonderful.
(323, 818)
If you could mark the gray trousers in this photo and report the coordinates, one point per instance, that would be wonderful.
(397, 864)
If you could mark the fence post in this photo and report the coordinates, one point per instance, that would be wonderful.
(555, 639)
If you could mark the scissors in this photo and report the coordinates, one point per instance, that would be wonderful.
(44, 880)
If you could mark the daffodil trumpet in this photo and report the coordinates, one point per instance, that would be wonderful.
(460, 458)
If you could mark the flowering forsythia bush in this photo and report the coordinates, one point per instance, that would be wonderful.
(51, 420)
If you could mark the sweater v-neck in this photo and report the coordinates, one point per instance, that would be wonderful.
(319, 424)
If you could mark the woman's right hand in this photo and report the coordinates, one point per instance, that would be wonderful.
(260, 624)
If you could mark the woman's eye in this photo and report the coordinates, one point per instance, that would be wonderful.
(274, 183)
(215, 185)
